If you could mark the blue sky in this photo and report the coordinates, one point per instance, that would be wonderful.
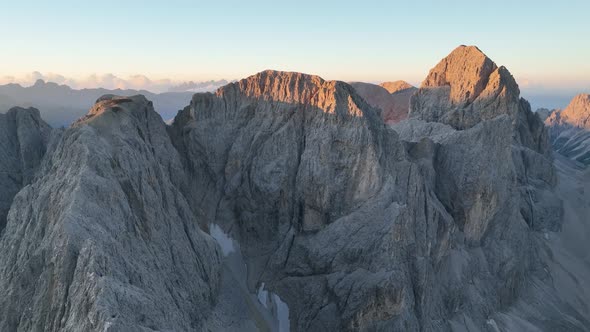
(544, 44)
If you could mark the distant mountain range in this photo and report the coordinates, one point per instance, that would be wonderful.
(60, 105)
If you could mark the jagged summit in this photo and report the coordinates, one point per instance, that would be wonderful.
(576, 114)
(397, 86)
(467, 87)
(468, 72)
(295, 89)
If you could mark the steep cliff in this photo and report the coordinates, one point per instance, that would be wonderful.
(23, 140)
(355, 229)
(467, 87)
(570, 129)
(104, 238)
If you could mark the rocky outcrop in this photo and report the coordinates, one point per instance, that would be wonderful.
(495, 177)
(104, 239)
(467, 87)
(570, 129)
(394, 102)
(303, 172)
(23, 141)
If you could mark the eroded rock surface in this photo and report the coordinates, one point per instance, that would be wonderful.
(23, 140)
(356, 229)
(105, 239)
(570, 129)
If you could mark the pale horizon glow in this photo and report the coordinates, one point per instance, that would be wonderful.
(542, 44)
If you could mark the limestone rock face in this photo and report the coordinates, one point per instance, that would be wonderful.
(104, 238)
(304, 172)
(576, 114)
(23, 140)
(394, 105)
(570, 129)
(351, 226)
(466, 88)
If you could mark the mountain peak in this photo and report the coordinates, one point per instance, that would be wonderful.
(396, 86)
(30, 110)
(280, 86)
(297, 89)
(116, 104)
(465, 88)
(466, 70)
(576, 114)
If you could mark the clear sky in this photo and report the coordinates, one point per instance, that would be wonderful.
(543, 43)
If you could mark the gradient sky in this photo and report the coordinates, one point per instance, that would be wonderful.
(543, 43)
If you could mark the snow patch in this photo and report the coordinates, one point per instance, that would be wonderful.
(223, 239)
(262, 296)
(276, 306)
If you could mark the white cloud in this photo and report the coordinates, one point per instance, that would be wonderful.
(110, 81)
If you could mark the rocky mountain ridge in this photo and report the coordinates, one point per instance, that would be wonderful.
(325, 217)
(570, 129)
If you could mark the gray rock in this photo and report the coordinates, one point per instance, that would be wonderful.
(105, 239)
(570, 129)
(23, 141)
(354, 228)
(466, 88)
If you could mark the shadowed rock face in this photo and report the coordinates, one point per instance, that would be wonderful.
(394, 105)
(104, 239)
(354, 228)
(330, 212)
(570, 129)
(23, 141)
